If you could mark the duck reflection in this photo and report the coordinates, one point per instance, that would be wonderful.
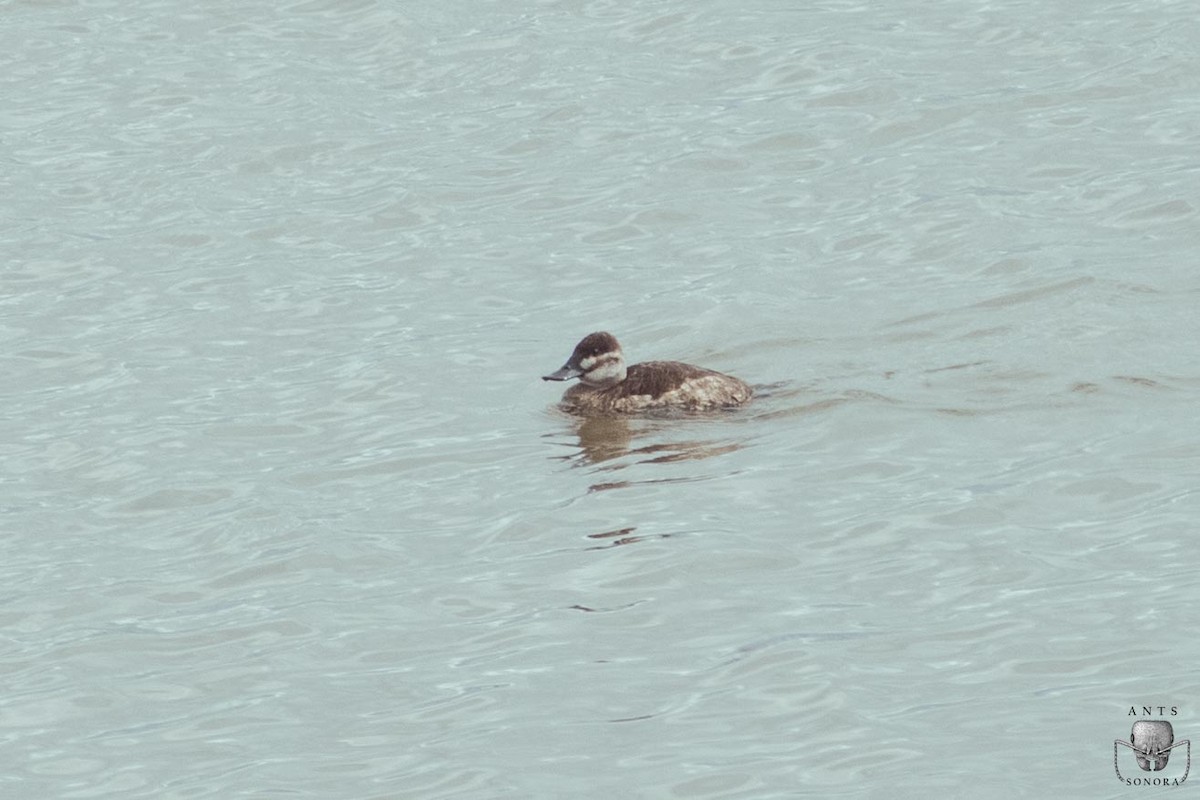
(621, 537)
(603, 439)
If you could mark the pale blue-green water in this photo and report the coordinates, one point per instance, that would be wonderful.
(287, 512)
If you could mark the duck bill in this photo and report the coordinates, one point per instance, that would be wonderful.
(565, 374)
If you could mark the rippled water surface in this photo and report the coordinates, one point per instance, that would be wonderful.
(287, 511)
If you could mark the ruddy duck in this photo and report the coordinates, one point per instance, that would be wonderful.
(606, 386)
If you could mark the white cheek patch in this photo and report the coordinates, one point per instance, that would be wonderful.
(602, 370)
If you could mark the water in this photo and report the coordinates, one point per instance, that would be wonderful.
(288, 513)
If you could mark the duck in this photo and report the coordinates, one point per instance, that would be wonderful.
(608, 387)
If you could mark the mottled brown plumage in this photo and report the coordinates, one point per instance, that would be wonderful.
(608, 387)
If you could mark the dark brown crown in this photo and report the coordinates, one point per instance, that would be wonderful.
(595, 344)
